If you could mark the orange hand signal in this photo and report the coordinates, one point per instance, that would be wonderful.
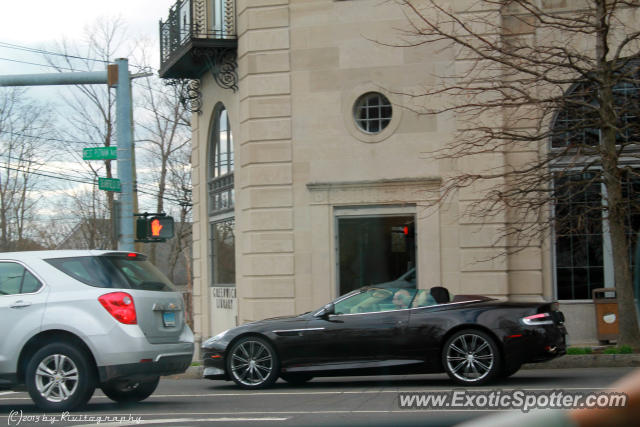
(156, 227)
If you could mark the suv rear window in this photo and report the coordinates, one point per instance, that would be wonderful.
(114, 271)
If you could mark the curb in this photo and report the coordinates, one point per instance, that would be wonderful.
(562, 362)
(588, 361)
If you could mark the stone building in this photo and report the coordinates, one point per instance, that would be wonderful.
(311, 179)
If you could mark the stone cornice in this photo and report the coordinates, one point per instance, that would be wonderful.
(429, 181)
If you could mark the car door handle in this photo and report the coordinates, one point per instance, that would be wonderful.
(20, 304)
(401, 323)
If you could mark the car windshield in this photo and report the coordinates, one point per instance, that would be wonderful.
(114, 271)
(376, 299)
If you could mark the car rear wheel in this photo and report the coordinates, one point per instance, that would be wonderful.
(60, 377)
(296, 379)
(253, 363)
(471, 357)
(130, 392)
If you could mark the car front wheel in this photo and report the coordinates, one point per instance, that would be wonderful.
(471, 357)
(60, 377)
(130, 392)
(253, 363)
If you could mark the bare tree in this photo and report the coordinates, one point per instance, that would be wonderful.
(163, 134)
(546, 99)
(92, 106)
(180, 190)
(93, 229)
(20, 120)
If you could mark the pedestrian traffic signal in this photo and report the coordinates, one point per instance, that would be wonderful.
(154, 228)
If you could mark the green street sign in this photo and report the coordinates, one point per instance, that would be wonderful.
(109, 184)
(100, 153)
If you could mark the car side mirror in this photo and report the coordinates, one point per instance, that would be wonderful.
(326, 311)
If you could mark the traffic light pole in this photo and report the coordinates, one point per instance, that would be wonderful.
(124, 136)
(124, 133)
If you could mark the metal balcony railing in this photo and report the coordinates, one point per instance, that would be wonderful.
(194, 26)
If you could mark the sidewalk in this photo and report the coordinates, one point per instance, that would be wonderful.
(588, 361)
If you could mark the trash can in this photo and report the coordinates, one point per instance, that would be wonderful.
(606, 305)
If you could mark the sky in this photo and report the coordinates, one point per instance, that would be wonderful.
(41, 24)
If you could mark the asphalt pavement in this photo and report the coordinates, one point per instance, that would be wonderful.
(352, 401)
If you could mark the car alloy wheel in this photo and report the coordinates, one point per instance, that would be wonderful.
(253, 363)
(471, 357)
(60, 377)
(57, 377)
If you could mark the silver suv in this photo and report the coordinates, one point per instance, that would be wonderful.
(71, 321)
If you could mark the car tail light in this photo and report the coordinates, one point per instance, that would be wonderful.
(120, 305)
(538, 319)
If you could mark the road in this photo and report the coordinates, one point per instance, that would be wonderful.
(352, 401)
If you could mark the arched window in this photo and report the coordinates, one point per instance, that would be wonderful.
(221, 201)
(578, 120)
(221, 165)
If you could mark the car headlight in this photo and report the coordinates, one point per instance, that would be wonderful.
(216, 338)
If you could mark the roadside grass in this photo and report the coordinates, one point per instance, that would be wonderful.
(625, 349)
(579, 350)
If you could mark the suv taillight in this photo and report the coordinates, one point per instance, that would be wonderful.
(120, 305)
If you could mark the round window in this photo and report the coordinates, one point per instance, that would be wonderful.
(372, 112)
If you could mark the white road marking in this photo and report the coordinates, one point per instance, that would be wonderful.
(187, 420)
(421, 390)
(320, 393)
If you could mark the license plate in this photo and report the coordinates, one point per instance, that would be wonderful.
(169, 318)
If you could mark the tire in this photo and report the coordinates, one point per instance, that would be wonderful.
(471, 357)
(252, 363)
(60, 377)
(296, 379)
(123, 392)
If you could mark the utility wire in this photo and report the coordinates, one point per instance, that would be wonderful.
(33, 63)
(78, 174)
(52, 174)
(45, 175)
(46, 52)
(93, 182)
(76, 171)
(64, 55)
(45, 139)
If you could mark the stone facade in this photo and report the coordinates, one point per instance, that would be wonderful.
(301, 161)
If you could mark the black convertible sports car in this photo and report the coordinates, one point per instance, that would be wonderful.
(379, 330)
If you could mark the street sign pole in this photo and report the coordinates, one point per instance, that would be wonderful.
(125, 157)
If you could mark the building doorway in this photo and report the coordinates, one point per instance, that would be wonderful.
(375, 250)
